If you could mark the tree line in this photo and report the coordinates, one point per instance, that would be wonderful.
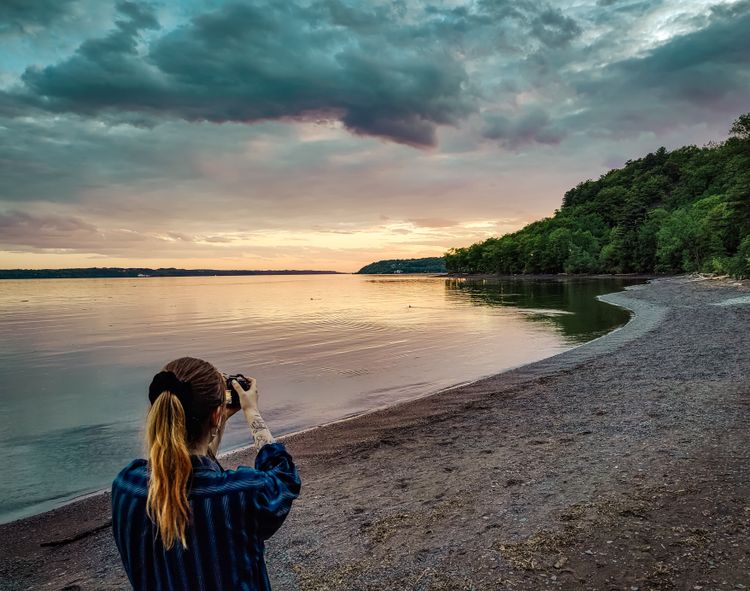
(670, 212)
(426, 265)
(108, 272)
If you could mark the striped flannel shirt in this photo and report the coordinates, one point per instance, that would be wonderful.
(232, 513)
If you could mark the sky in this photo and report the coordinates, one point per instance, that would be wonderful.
(326, 134)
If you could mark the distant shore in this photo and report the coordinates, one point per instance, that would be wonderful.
(621, 463)
(133, 272)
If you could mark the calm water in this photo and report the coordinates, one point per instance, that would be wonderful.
(76, 356)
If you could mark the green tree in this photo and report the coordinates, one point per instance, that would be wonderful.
(584, 253)
(739, 264)
(613, 253)
(741, 127)
(685, 210)
(645, 260)
(675, 243)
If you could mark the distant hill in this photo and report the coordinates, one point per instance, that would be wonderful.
(669, 212)
(104, 272)
(427, 265)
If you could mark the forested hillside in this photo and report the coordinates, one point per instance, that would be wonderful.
(427, 265)
(669, 212)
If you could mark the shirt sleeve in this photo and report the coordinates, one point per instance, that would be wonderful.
(279, 484)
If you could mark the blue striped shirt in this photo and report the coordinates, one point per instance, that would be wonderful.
(232, 513)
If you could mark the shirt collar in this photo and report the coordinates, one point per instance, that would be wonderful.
(205, 463)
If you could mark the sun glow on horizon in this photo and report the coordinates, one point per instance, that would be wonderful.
(338, 247)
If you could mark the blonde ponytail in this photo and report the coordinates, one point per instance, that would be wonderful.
(183, 397)
(169, 460)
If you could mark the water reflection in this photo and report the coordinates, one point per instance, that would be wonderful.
(569, 304)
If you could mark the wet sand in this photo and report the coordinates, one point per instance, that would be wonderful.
(621, 464)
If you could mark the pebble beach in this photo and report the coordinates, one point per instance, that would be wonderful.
(622, 464)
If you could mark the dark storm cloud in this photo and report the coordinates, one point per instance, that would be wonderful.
(103, 71)
(262, 61)
(19, 16)
(110, 52)
(281, 61)
(138, 16)
(377, 69)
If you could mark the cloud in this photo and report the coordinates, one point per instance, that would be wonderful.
(103, 72)
(24, 232)
(251, 62)
(214, 121)
(701, 75)
(58, 158)
(138, 16)
(433, 222)
(533, 125)
(43, 231)
(393, 71)
(554, 28)
(19, 17)
(71, 237)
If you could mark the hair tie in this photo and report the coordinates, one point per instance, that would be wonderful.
(167, 381)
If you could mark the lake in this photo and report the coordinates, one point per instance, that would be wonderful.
(77, 355)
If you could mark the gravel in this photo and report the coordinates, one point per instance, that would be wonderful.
(620, 464)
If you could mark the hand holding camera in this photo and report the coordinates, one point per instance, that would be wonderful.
(241, 393)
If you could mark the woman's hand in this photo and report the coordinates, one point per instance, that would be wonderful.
(249, 397)
(249, 403)
(229, 411)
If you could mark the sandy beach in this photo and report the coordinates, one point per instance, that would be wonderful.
(622, 464)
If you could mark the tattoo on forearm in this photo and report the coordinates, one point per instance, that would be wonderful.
(261, 433)
(258, 423)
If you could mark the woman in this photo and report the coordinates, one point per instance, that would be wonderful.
(179, 519)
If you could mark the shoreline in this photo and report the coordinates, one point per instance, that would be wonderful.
(47, 505)
(246, 449)
(653, 317)
(490, 484)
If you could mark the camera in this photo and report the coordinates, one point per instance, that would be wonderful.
(231, 396)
